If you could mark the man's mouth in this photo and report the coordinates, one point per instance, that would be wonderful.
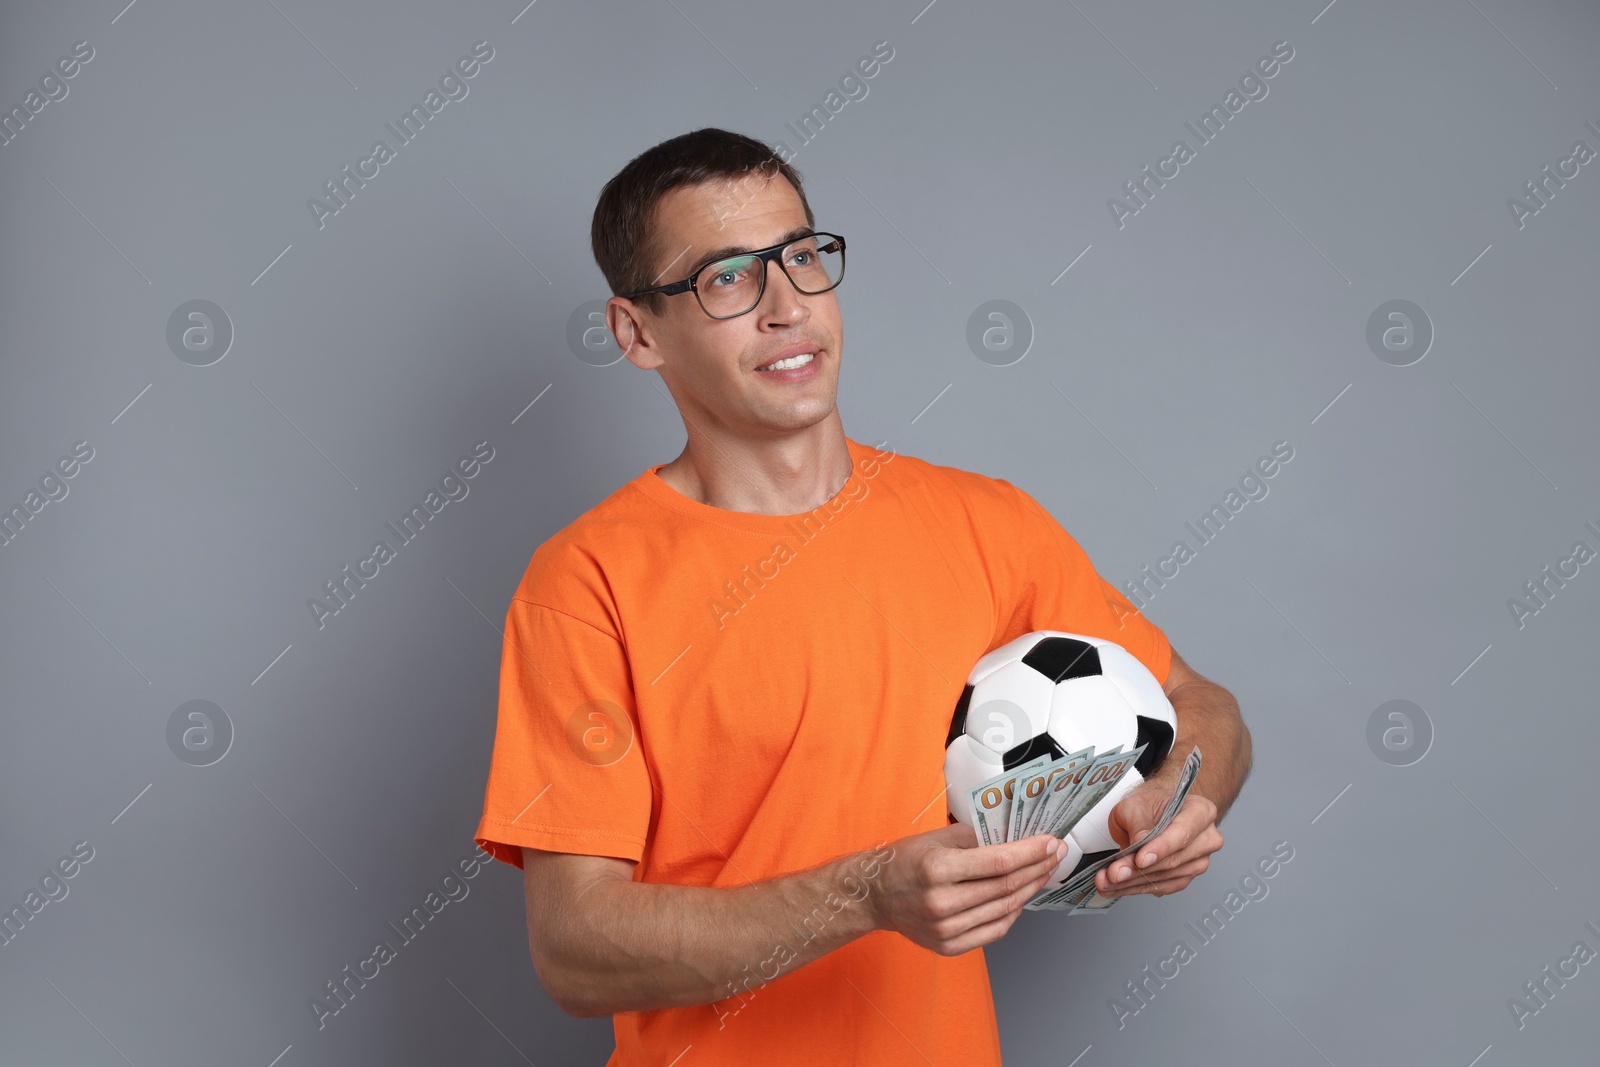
(789, 358)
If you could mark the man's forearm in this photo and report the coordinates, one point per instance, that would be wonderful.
(1208, 716)
(638, 946)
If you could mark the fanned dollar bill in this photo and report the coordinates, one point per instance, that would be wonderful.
(1080, 890)
(984, 803)
(991, 803)
(1099, 778)
(1029, 794)
(1051, 796)
(1067, 785)
(1062, 779)
(1104, 773)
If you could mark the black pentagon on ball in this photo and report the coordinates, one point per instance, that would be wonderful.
(1030, 750)
(1060, 658)
(1156, 736)
(958, 721)
(1091, 858)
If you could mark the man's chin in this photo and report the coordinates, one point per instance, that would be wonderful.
(792, 418)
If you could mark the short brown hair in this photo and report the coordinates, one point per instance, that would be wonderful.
(622, 232)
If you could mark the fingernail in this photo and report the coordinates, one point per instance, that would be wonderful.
(1147, 859)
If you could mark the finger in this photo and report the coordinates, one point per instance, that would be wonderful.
(1136, 813)
(1133, 824)
(1190, 821)
(956, 835)
(979, 936)
(973, 901)
(1162, 855)
(1168, 881)
(991, 861)
(1203, 844)
(1161, 888)
(1193, 819)
(1188, 869)
(969, 913)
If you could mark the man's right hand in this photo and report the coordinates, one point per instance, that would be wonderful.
(945, 893)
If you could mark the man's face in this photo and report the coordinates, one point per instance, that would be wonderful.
(710, 364)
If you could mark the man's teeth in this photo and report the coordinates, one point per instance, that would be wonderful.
(789, 364)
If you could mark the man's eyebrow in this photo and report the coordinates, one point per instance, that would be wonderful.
(736, 250)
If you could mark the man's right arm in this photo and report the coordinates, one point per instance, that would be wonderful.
(603, 943)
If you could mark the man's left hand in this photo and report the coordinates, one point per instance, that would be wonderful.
(1171, 860)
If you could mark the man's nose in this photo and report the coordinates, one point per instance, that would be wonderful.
(781, 298)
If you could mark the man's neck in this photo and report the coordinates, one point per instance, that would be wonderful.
(787, 476)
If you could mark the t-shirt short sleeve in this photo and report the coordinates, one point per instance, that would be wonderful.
(1059, 589)
(567, 773)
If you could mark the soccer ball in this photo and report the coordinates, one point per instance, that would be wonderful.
(1046, 694)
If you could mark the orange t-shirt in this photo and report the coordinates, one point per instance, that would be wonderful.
(727, 697)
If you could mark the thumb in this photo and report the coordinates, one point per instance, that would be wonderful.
(956, 835)
(1127, 819)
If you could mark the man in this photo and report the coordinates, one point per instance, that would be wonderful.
(725, 689)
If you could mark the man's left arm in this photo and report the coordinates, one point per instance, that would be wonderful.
(1208, 716)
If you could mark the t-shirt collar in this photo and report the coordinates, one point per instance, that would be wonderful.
(655, 487)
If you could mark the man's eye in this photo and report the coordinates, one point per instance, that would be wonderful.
(732, 274)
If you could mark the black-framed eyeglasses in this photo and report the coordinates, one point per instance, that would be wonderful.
(728, 288)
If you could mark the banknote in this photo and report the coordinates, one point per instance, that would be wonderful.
(1063, 776)
(1051, 796)
(1008, 789)
(1104, 773)
(1191, 767)
(1050, 904)
(1074, 767)
(1080, 890)
(1101, 775)
(984, 803)
(991, 803)
(1064, 898)
(1028, 795)
(1094, 904)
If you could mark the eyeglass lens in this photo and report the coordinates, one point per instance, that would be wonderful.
(732, 286)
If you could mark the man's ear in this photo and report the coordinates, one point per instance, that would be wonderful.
(626, 321)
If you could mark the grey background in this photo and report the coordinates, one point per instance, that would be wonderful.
(427, 315)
